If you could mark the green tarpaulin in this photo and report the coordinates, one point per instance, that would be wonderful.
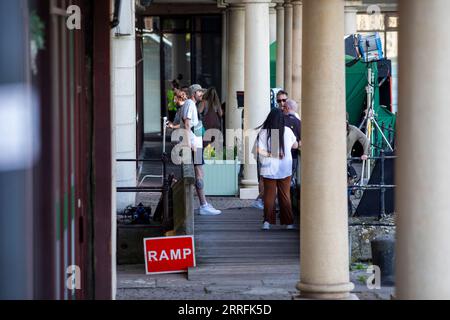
(356, 83)
(273, 65)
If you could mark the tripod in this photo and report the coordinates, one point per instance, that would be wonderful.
(371, 123)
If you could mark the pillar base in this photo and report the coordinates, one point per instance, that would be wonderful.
(249, 193)
(352, 297)
(326, 292)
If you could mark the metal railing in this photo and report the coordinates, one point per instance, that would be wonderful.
(164, 189)
(382, 186)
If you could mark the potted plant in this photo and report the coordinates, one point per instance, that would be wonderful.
(221, 172)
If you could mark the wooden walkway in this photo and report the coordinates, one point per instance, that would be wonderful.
(232, 246)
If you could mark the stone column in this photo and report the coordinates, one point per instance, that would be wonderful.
(351, 10)
(280, 44)
(423, 172)
(324, 221)
(272, 23)
(297, 31)
(288, 25)
(272, 40)
(350, 20)
(224, 56)
(257, 82)
(236, 53)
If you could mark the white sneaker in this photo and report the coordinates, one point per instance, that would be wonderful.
(290, 227)
(258, 204)
(208, 210)
(266, 226)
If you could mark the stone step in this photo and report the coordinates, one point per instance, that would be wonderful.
(255, 245)
(240, 227)
(245, 253)
(292, 259)
(244, 272)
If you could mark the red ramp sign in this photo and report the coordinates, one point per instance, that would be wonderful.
(169, 254)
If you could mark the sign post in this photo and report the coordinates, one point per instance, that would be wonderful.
(169, 254)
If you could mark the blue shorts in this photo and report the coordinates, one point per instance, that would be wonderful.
(198, 157)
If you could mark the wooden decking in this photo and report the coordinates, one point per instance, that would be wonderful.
(233, 246)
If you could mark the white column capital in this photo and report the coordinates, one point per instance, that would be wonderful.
(351, 9)
(288, 4)
(236, 6)
(230, 3)
(256, 1)
(353, 3)
(352, 6)
(297, 2)
(279, 6)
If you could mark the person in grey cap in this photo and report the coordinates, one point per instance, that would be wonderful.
(191, 122)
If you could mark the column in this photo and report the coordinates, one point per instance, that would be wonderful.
(423, 174)
(236, 53)
(351, 10)
(350, 20)
(224, 56)
(288, 25)
(272, 42)
(257, 82)
(280, 44)
(324, 222)
(297, 27)
(272, 24)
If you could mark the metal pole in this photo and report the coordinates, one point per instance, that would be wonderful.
(164, 134)
(361, 181)
(165, 192)
(384, 137)
(383, 190)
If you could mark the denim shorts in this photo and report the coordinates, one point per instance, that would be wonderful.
(198, 157)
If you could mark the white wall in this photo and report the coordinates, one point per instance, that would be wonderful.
(124, 101)
(152, 85)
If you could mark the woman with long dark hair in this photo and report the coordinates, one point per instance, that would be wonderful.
(211, 110)
(274, 144)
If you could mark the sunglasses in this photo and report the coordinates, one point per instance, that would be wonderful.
(281, 100)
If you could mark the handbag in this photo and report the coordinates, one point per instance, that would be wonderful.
(199, 129)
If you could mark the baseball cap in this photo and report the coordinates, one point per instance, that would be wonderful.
(194, 88)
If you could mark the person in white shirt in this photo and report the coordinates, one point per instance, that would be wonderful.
(274, 144)
(190, 121)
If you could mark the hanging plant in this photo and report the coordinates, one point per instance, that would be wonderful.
(37, 38)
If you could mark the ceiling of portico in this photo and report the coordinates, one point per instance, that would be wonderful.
(360, 5)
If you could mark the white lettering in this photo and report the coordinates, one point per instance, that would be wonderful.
(74, 20)
(163, 256)
(152, 256)
(74, 281)
(186, 252)
(175, 254)
(374, 281)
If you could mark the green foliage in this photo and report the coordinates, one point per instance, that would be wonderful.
(359, 266)
(212, 154)
(362, 279)
(37, 30)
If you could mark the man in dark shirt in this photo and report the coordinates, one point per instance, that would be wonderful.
(292, 121)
